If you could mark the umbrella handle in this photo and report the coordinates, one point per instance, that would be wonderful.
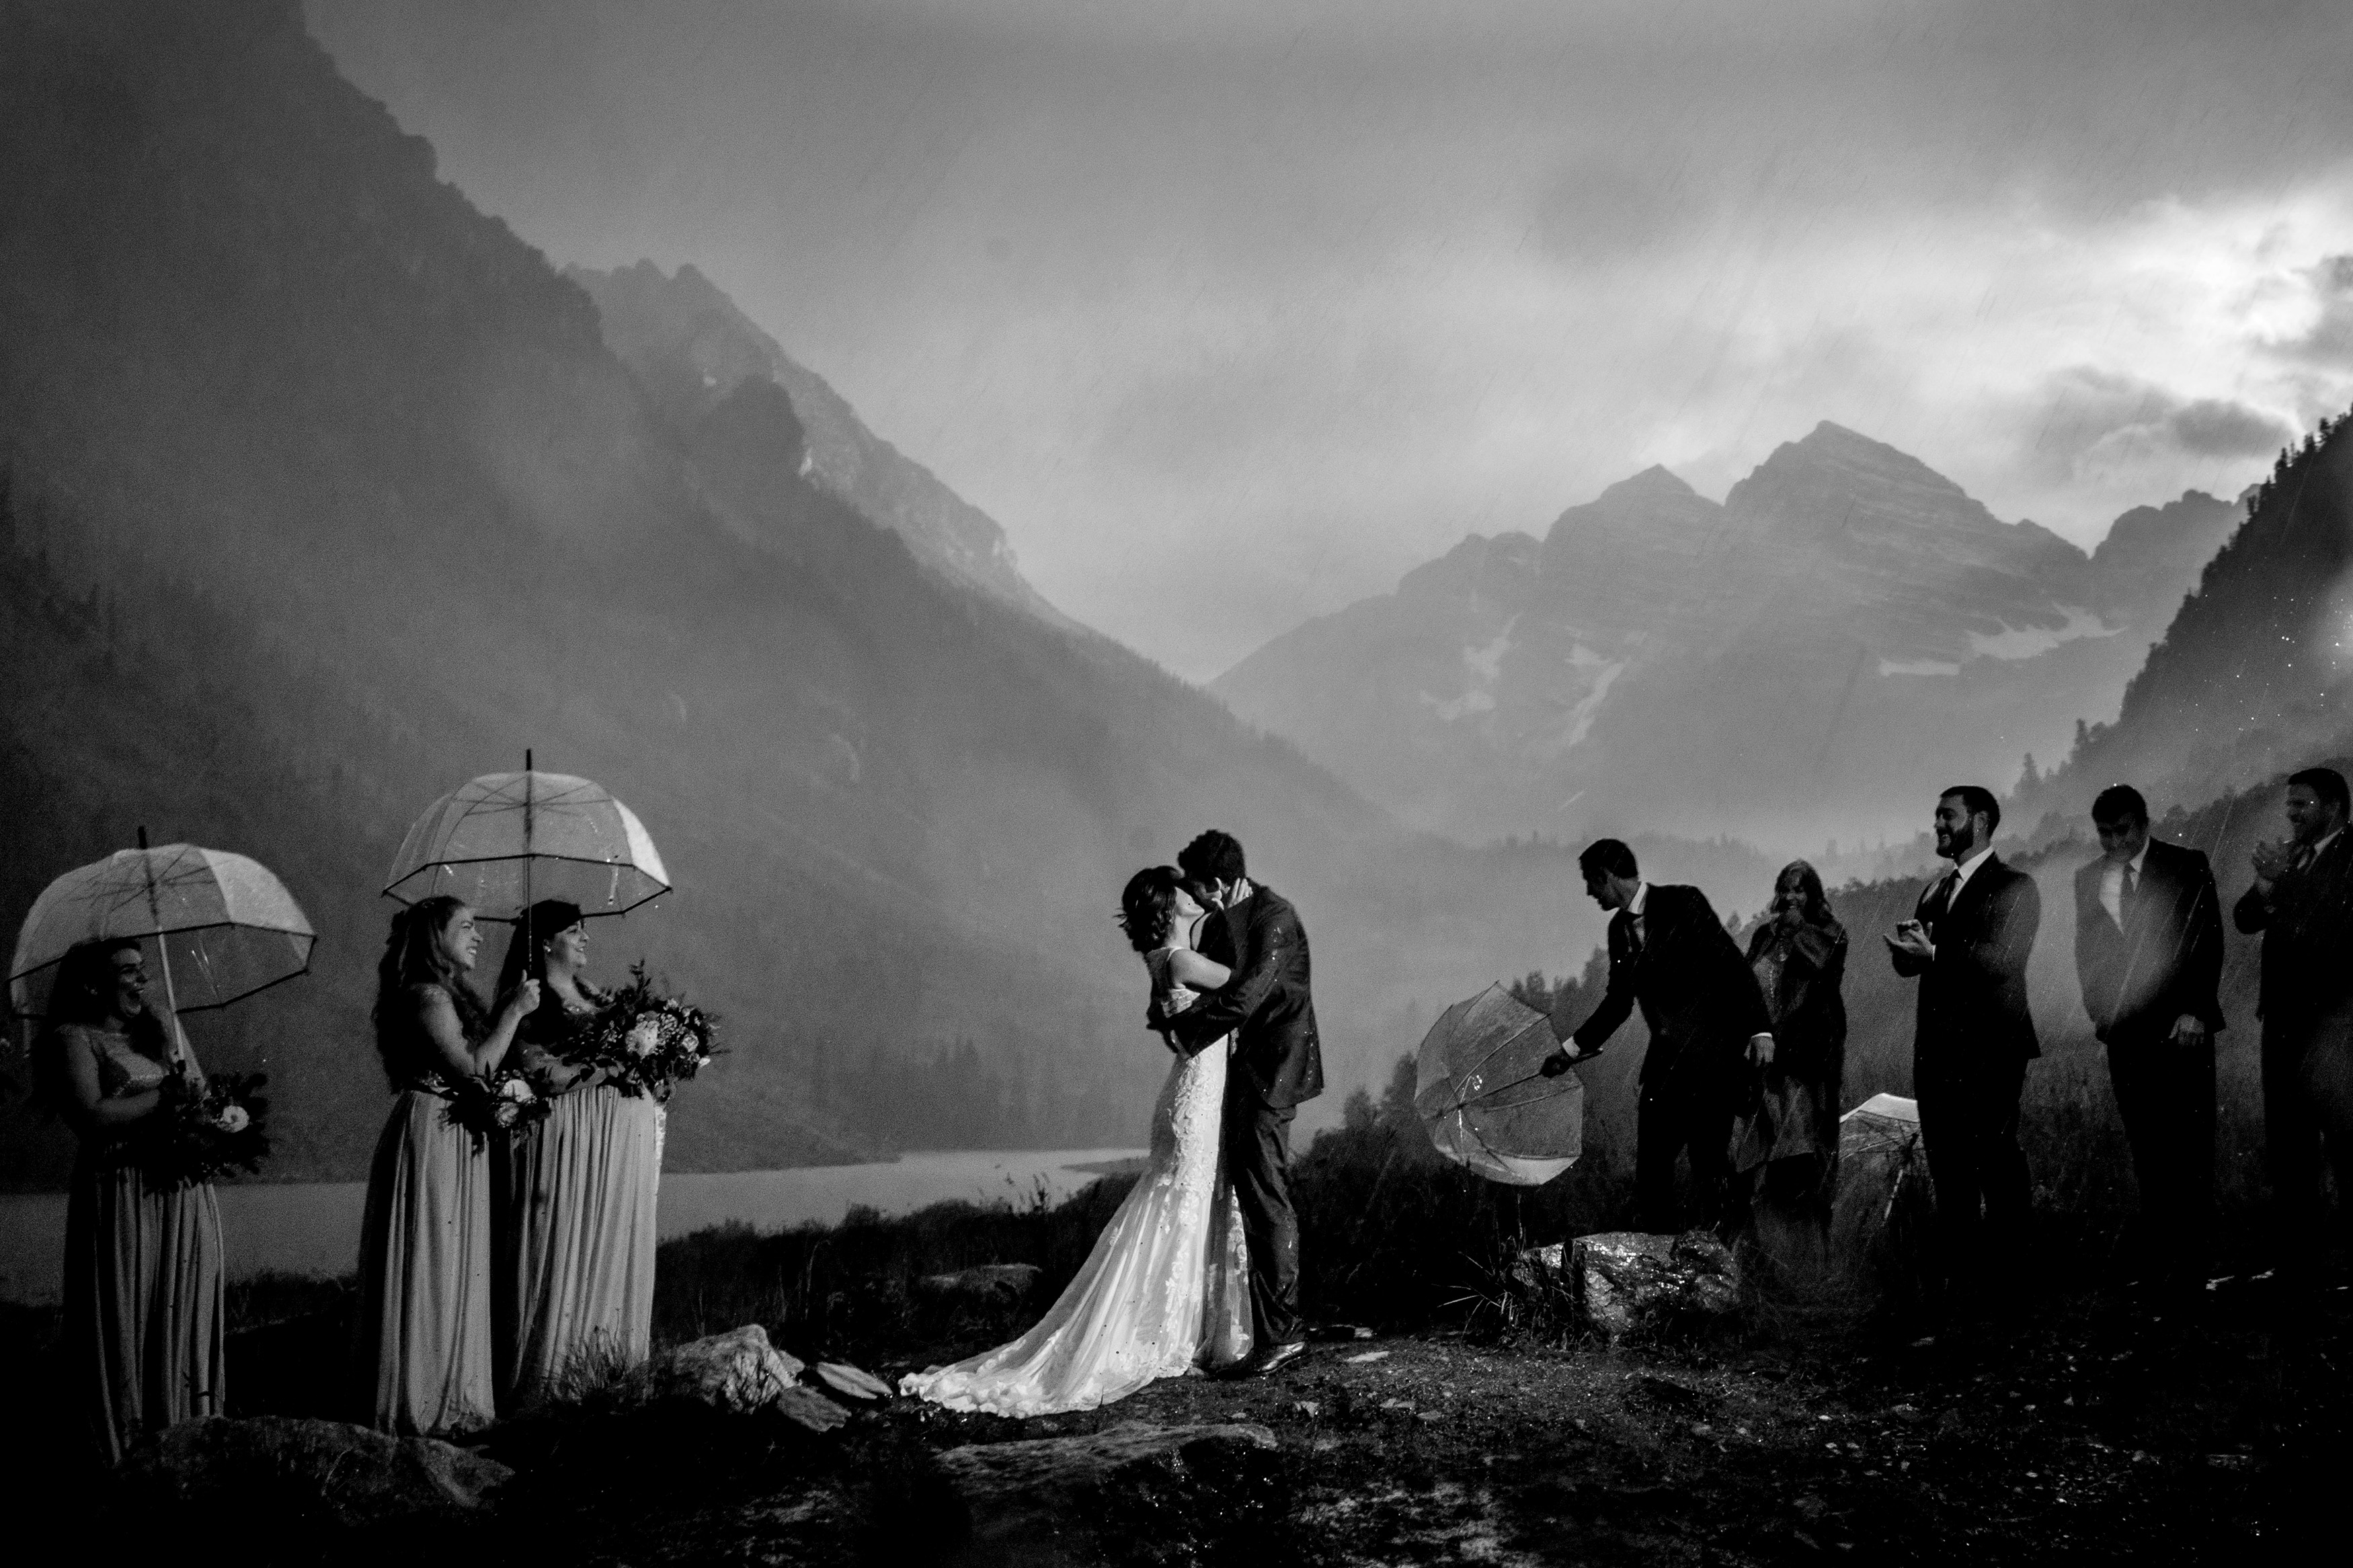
(163, 949)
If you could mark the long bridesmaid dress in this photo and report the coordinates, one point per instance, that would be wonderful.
(425, 1356)
(575, 1222)
(144, 1317)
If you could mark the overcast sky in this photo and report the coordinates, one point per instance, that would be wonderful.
(1232, 312)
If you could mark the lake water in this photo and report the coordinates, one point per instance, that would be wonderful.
(314, 1228)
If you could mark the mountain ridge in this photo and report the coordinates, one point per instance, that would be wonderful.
(1794, 621)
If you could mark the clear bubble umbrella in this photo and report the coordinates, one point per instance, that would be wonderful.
(223, 927)
(503, 841)
(1480, 1092)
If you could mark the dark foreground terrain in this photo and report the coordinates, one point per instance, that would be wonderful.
(2078, 1424)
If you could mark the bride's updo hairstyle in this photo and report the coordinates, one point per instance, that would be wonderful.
(1149, 907)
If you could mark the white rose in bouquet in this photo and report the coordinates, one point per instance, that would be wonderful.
(644, 1035)
(507, 1114)
(232, 1118)
(518, 1091)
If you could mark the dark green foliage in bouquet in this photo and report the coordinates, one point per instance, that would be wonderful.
(208, 1132)
(505, 1101)
(646, 1043)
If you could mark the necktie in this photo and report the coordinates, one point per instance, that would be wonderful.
(2131, 881)
(1942, 904)
(1633, 934)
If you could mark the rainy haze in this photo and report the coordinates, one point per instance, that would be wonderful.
(931, 461)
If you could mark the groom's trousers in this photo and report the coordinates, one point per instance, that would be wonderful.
(1258, 1158)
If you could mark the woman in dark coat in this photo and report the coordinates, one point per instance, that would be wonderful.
(1785, 1150)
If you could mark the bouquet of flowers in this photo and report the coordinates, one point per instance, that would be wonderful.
(207, 1132)
(645, 1043)
(502, 1102)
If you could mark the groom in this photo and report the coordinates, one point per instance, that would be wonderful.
(1276, 1065)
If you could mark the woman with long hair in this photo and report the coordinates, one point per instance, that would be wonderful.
(1166, 1289)
(425, 1244)
(144, 1311)
(1786, 1148)
(573, 1203)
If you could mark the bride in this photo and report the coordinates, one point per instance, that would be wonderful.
(1167, 1288)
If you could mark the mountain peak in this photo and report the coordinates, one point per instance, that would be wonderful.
(1655, 480)
(1836, 446)
(693, 347)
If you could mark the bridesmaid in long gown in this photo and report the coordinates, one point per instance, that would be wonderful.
(144, 1323)
(425, 1244)
(575, 1204)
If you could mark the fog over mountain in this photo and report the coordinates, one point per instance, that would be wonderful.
(326, 492)
(1846, 629)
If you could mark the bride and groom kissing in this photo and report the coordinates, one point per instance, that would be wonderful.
(1199, 1268)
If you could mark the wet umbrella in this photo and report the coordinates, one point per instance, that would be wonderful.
(225, 928)
(501, 841)
(1480, 1092)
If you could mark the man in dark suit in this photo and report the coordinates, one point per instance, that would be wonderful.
(2148, 953)
(1670, 955)
(1277, 1064)
(2301, 901)
(1967, 941)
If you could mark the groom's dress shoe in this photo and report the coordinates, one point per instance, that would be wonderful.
(1280, 1356)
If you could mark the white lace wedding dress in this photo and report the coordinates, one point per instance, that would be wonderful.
(1165, 1288)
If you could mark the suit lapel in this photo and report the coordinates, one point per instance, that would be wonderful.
(1963, 908)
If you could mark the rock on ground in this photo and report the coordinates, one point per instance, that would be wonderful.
(1625, 1280)
(738, 1370)
(851, 1382)
(1100, 1496)
(266, 1465)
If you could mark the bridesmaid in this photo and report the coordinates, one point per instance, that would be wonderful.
(143, 1321)
(574, 1214)
(425, 1244)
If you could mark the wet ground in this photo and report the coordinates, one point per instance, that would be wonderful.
(2096, 1427)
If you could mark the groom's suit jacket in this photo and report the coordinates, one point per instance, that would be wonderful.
(1267, 1003)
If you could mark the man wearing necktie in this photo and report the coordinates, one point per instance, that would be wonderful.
(2301, 901)
(1669, 953)
(2148, 954)
(1967, 941)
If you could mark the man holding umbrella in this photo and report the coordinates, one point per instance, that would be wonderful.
(1670, 955)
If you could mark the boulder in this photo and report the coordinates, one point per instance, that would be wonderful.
(1624, 1281)
(1091, 1498)
(266, 1466)
(990, 1285)
(738, 1370)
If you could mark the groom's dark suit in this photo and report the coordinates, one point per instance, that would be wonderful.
(1278, 1063)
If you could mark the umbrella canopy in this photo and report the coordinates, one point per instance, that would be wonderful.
(1481, 1092)
(504, 840)
(226, 927)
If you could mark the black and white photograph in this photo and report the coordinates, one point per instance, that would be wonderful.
(1337, 783)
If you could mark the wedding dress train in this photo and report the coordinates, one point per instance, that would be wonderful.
(1165, 1288)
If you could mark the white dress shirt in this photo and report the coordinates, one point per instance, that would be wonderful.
(2112, 884)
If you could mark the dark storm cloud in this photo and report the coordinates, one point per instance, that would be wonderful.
(2088, 417)
(1325, 286)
